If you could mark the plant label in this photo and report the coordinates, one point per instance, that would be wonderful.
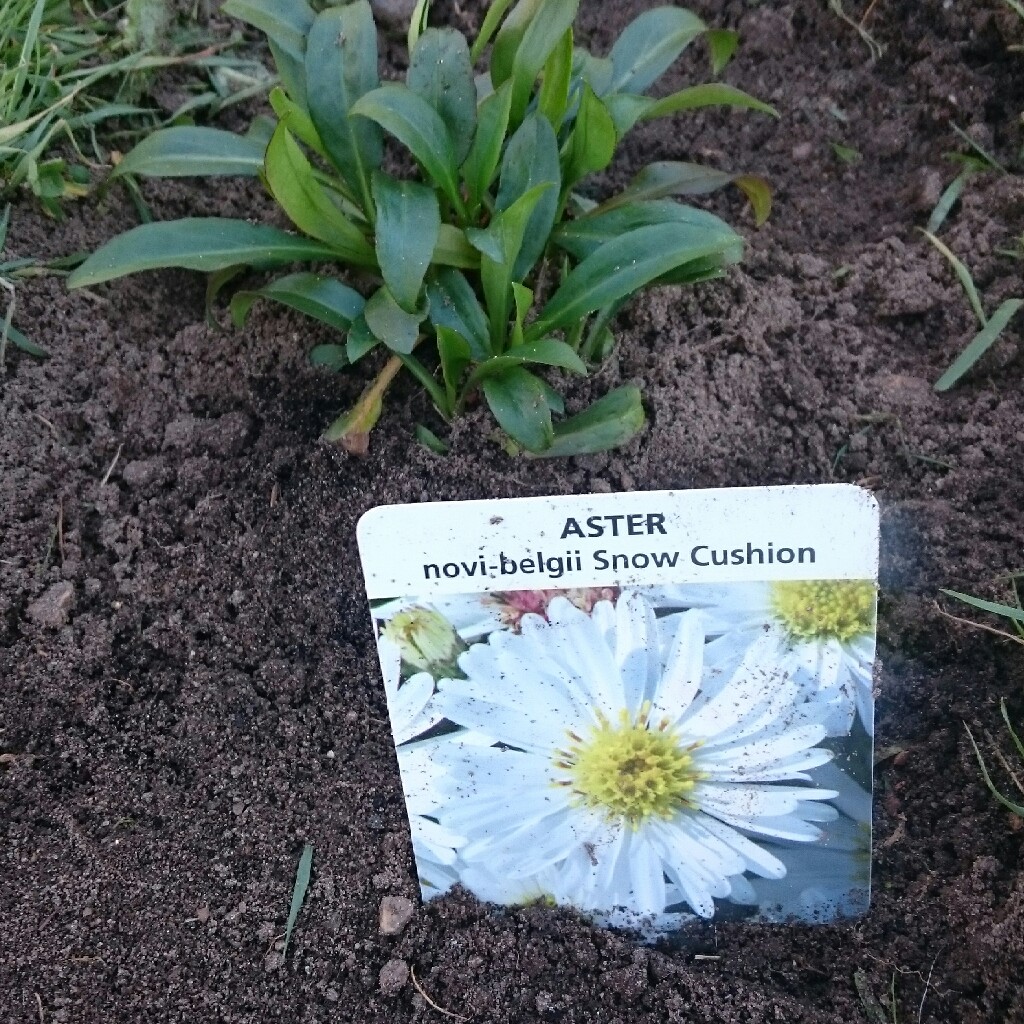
(652, 707)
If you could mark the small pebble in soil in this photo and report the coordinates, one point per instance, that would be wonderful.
(393, 977)
(395, 913)
(52, 609)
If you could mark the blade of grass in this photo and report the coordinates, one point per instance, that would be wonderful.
(980, 343)
(962, 273)
(298, 892)
(951, 194)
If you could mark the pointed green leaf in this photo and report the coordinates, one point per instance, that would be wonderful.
(323, 298)
(390, 323)
(492, 122)
(500, 243)
(553, 98)
(360, 339)
(649, 45)
(190, 151)
(722, 42)
(430, 440)
(16, 338)
(196, 243)
(408, 223)
(980, 344)
(592, 143)
(300, 124)
(453, 249)
(1007, 611)
(495, 12)
(621, 267)
(418, 126)
(544, 32)
(429, 382)
(293, 184)
(454, 305)
(626, 109)
(341, 66)
(531, 159)
(441, 73)
(675, 178)
(455, 356)
(609, 422)
(597, 72)
(330, 357)
(546, 352)
(302, 874)
(582, 236)
(523, 298)
(286, 24)
(519, 403)
(711, 94)
(508, 39)
(417, 24)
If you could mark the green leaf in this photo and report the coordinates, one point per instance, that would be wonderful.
(621, 267)
(454, 305)
(492, 122)
(518, 401)
(597, 72)
(649, 45)
(495, 12)
(453, 249)
(330, 357)
(723, 43)
(531, 159)
(582, 236)
(1006, 611)
(196, 243)
(302, 874)
(553, 98)
(500, 243)
(300, 124)
(418, 126)
(293, 184)
(675, 178)
(948, 198)
(426, 378)
(546, 352)
(360, 339)
(609, 422)
(408, 223)
(430, 440)
(341, 67)
(626, 109)
(546, 28)
(523, 298)
(16, 338)
(711, 94)
(390, 323)
(980, 344)
(963, 276)
(592, 143)
(508, 39)
(442, 74)
(455, 355)
(1009, 804)
(323, 298)
(192, 151)
(285, 23)
(417, 24)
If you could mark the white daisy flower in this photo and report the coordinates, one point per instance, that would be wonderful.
(411, 715)
(823, 633)
(617, 768)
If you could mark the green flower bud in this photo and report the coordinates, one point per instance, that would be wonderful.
(428, 642)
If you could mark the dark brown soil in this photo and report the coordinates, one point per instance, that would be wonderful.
(188, 684)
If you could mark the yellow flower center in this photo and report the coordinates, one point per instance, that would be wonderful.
(824, 609)
(629, 770)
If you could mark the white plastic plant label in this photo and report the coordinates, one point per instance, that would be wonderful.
(651, 707)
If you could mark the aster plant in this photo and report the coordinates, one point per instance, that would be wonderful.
(488, 264)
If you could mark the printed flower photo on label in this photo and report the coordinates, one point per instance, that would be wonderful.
(646, 756)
